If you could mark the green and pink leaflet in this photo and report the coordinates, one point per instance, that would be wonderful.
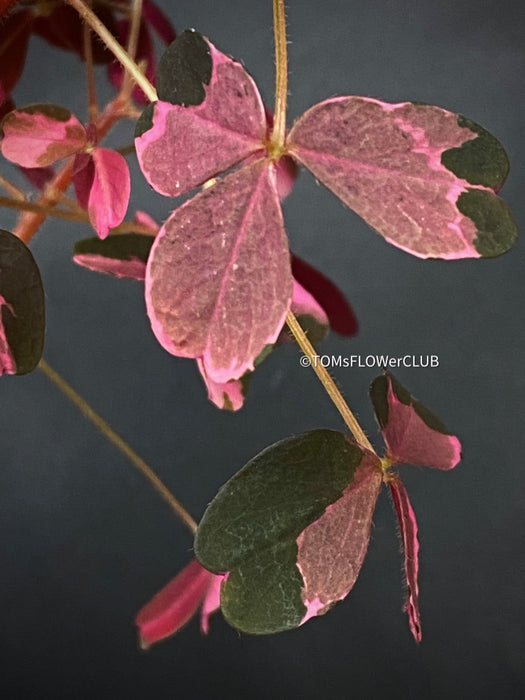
(219, 288)
(287, 535)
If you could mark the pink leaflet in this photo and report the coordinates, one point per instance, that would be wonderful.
(409, 439)
(212, 601)
(304, 304)
(174, 604)
(134, 268)
(331, 550)
(384, 161)
(340, 315)
(218, 280)
(186, 146)
(225, 395)
(110, 190)
(7, 361)
(408, 528)
(39, 135)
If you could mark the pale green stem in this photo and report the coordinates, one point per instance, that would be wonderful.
(121, 444)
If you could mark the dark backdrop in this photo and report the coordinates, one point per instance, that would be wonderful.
(85, 541)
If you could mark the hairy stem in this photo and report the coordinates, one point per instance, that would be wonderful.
(121, 444)
(116, 49)
(281, 79)
(134, 28)
(90, 75)
(327, 382)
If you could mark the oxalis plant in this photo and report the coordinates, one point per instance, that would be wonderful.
(285, 538)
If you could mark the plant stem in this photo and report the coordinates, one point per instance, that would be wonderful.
(123, 446)
(131, 48)
(73, 214)
(281, 79)
(13, 190)
(116, 49)
(327, 382)
(92, 93)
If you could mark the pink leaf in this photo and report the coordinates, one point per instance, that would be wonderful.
(340, 315)
(408, 528)
(331, 550)
(174, 604)
(158, 20)
(412, 433)
(387, 162)
(109, 194)
(218, 280)
(210, 116)
(304, 304)
(225, 395)
(83, 175)
(144, 219)
(131, 269)
(212, 601)
(39, 135)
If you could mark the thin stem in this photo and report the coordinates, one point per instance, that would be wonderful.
(327, 382)
(123, 446)
(13, 190)
(281, 78)
(45, 211)
(73, 214)
(116, 49)
(134, 28)
(90, 75)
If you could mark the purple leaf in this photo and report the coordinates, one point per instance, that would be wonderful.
(158, 20)
(331, 550)
(412, 433)
(209, 117)
(14, 37)
(39, 135)
(176, 603)
(423, 177)
(63, 28)
(218, 280)
(340, 315)
(408, 528)
(39, 177)
(110, 190)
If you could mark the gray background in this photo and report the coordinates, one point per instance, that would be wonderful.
(85, 541)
